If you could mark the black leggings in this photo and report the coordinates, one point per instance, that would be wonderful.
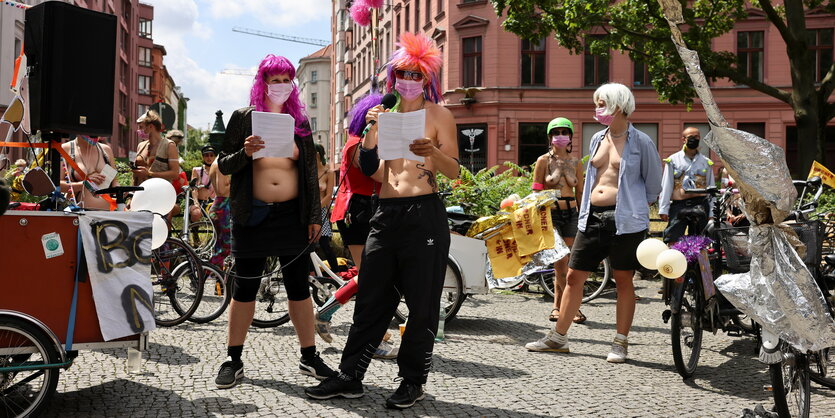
(327, 251)
(295, 277)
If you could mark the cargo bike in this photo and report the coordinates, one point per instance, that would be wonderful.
(47, 310)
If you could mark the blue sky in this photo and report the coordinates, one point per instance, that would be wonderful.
(198, 37)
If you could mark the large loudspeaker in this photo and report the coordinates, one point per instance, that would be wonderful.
(71, 54)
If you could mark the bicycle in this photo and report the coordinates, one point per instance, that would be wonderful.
(791, 375)
(200, 234)
(176, 297)
(695, 304)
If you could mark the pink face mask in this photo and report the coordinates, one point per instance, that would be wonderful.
(561, 141)
(600, 117)
(142, 134)
(278, 93)
(91, 141)
(409, 89)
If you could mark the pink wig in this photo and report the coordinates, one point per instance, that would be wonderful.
(375, 3)
(361, 12)
(417, 51)
(270, 66)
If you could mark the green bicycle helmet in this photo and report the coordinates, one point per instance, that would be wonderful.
(560, 123)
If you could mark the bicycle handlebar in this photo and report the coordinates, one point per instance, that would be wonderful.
(712, 191)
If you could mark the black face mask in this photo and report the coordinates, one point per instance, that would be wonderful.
(693, 142)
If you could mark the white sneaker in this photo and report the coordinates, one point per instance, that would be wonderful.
(323, 328)
(618, 352)
(552, 342)
(386, 350)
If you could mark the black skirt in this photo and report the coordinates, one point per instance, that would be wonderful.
(273, 229)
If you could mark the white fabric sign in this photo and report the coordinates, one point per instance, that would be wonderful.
(117, 247)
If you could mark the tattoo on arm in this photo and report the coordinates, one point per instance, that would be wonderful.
(430, 176)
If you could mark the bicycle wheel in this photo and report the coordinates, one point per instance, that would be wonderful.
(176, 297)
(546, 281)
(790, 383)
(822, 367)
(322, 288)
(452, 296)
(686, 326)
(201, 236)
(597, 281)
(25, 393)
(271, 303)
(216, 295)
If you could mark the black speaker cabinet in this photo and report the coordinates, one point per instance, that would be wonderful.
(71, 54)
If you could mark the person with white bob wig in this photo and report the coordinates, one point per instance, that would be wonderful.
(623, 177)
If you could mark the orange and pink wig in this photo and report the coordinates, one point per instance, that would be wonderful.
(417, 51)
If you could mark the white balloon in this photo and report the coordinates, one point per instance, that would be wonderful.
(159, 232)
(159, 196)
(648, 251)
(671, 264)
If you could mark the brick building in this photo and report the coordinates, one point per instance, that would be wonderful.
(503, 90)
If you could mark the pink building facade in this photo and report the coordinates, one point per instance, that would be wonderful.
(503, 90)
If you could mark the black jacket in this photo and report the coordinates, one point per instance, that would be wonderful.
(234, 161)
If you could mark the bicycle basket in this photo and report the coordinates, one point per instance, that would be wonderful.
(738, 256)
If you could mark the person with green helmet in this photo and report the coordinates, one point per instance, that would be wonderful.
(558, 169)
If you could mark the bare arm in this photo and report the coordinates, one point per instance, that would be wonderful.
(445, 155)
(539, 170)
(581, 183)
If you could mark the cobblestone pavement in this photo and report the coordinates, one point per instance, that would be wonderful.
(481, 369)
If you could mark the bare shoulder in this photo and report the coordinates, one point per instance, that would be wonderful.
(437, 111)
(542, 158)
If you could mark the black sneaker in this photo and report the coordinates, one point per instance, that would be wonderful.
(406, 395)
(339, 385)
(229, 375)
(315, 367)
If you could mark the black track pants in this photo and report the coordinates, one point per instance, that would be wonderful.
(406, 253)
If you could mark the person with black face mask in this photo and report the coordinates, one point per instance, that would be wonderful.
(686, 169)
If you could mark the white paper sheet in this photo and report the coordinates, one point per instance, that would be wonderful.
(109, 174)
(276, 130)
(397, 131)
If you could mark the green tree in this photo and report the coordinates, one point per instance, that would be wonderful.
(638, 28)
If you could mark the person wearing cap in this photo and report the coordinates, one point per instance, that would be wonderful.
(558, 170)
(202, 191)
(175, 135)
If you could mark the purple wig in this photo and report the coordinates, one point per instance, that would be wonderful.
(361, 107)
(270, 66)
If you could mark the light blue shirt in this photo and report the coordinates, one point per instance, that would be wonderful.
(690, 174)
(639, 182)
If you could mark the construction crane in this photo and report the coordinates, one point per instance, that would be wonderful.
(246, 73)
(309, 41)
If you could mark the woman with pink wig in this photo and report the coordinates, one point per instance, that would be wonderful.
(408, 244)
(275, 212)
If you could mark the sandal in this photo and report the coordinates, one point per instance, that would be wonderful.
(579, 318)
(555, 315)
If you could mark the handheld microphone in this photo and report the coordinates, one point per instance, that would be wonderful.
(388, 102)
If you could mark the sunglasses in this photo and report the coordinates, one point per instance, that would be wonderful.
(557, 131)
(408, 75)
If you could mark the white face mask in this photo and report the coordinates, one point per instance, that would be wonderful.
(279, 92)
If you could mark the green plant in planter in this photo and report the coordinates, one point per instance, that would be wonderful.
(481, 193)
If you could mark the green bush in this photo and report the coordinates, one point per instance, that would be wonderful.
(481, 193)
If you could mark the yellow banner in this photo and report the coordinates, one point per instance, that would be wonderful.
(532, 229)
(501, 249)
(826, 176)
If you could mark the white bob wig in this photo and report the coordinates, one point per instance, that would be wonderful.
(616, 96)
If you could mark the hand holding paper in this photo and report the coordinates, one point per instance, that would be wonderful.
(276, 130)
(396, 131)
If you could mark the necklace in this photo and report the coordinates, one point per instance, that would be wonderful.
(620, 135)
